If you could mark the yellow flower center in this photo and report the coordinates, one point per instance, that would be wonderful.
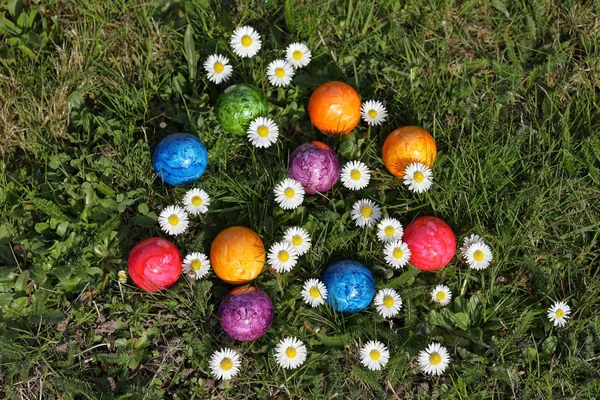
(289, 193)
(290, 352)
(478, 255)
(279, 72)
(419, 177)
(173, 220)
(196, 201)
(196, 264)
(314, 293)
(219, 67)
(226, 364)
(560, 313)
(246, 40)
(297, 55)
(366, 211)
(375, 355)
(389, 231)
(435, 359)
(283, 256)
(373, 113)
(262, 131)
(297, 240)
(355, 175)
(388, 301)
(398, 253)
(440, 296)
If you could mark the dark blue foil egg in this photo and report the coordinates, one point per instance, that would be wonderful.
(180, 159)
(350, 286)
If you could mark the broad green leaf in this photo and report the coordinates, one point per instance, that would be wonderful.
(549, 345)
(5, 299)
(7, 26)
(143, 208)
(21, 282)
(189, 51)
(461, 320)
(14, 7)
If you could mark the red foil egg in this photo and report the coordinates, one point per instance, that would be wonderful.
(154, 264)
(431, 242)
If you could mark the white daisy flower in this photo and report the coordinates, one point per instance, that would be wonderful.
(173, 220)
(397, 254)
(298, 55)
(314, 292)
(373, 112)
(558, 313)
(365, 212)
(388, 303)
(355, 175)
(217, 68)
(122, 276)
(289, 194)
(299, 238)
(478, 256)
(418, 177)
(469, 240)
(245, 41)
(434, 359)
(441, 294)
(263, 132)
(196, 265)
(374, 355)
(225, 363)
(290, 353)
(389, 229)
(282, 256)
(196, 201)
(280, 72)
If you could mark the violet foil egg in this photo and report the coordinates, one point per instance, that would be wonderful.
(246, 313)
(315, 166)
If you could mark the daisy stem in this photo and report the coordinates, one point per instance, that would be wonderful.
(121, 290)
(254, 159)
(464, 286)
(280, 283)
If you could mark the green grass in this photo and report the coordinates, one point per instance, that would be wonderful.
(509, 89)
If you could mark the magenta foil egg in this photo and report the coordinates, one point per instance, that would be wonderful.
(246, 313)
(315, 166)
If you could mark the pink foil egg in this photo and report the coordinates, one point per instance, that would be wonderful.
(154, 264)
(431, 242)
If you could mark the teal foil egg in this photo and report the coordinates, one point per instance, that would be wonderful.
(239, 105)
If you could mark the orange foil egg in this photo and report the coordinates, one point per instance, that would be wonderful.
(334, 108)
(407, 145)
(237, 255)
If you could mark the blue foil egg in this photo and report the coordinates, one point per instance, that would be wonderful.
(350, 286)
(180, 159)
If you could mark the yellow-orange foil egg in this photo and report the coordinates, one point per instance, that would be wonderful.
(407, 145)
(237, 255)
(334, 108)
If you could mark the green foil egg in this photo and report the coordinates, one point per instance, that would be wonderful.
(239, 105)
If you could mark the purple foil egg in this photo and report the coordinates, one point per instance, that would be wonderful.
(246, 313)
(315, 166)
